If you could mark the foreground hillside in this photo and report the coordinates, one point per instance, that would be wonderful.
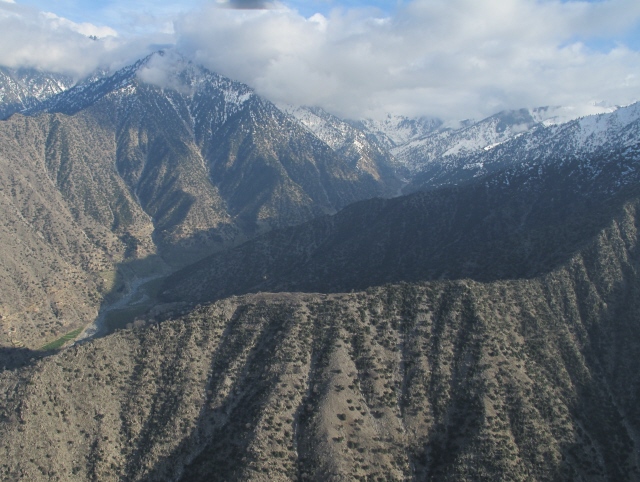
(523, 379)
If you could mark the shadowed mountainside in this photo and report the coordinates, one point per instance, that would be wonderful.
(514, 224)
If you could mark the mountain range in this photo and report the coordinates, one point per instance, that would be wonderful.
(117, 170)
(275, 293)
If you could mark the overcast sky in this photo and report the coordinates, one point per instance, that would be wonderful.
(452, 59)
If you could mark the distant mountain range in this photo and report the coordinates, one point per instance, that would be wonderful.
(408, 146)
(593, 137)
(288, 295)
(22, 89)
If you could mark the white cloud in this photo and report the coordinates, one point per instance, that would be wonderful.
(84, 28)
(161, 71)
(453, 58)
(45, 41)
(449, 58)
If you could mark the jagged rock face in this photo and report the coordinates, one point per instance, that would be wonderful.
(458, 380)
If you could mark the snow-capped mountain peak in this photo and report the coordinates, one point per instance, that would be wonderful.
(173, 77)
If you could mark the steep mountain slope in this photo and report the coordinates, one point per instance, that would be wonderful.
(228, 151)
(26, 88)
(516, 223)
(67, 220)
(454, 380)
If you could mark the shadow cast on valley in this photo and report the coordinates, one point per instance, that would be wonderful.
(14, 358)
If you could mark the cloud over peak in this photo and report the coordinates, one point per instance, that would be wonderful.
(459, 58)
(453, 59)
(46, 41)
